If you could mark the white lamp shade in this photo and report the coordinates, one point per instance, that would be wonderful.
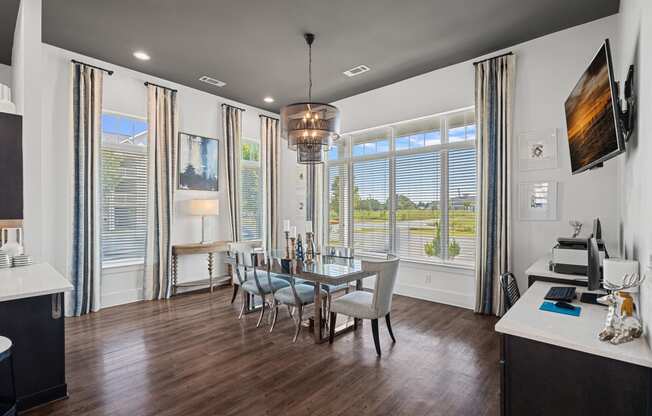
(615, 269)
(204, 207)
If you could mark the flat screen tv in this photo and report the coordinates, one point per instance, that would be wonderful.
(594, 133)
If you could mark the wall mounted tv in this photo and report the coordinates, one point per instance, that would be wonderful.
(592, 115)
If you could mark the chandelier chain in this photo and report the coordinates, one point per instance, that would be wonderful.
(309, 72)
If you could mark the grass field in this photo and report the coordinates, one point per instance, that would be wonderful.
(462, 223)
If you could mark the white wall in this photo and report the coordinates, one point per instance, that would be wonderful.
(199, 113)
(635, 47)
(547, 70)
(6, 77)
(26, 93)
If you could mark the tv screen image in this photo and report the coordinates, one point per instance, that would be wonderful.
(593, 130)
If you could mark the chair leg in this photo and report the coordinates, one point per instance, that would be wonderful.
(296, 334)
(374, 330)
(244, 304)
(262, 312)
(235, 292)
(331, 332)
(389, 327)
(290, 312)
(274, 319)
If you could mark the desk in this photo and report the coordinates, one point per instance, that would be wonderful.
(540, 272)
(196, 248)
(553, 364)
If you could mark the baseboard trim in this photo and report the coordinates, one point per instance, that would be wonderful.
(446, 297)
(122, 297)
(42, 397)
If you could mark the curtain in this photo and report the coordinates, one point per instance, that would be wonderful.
(232, 125)
(314, 200)
(162, 118)
(494, 91)
(87, 114)
(269, 136)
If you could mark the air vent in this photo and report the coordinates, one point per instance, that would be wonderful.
(212, 81)
(360, 69)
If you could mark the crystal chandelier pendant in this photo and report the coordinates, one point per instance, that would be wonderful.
(310, 127)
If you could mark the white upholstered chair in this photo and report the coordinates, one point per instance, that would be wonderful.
(365, 305)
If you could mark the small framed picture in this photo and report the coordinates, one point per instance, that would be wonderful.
(537, 201)
(198, 163)
(537, 149)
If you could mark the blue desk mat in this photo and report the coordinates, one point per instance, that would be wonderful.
(550, 307)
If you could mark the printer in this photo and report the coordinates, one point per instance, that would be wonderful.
(571, 256)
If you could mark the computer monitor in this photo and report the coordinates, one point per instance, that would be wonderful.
(593, 271)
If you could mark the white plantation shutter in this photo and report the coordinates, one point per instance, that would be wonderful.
(124, 202)
(251, 202)
(462, 194)
(418, 206)
(339, 206)
(371, 225)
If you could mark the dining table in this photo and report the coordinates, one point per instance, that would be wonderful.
(321, 270)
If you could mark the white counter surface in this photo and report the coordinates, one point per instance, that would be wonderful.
(29, 281)
(580, 333)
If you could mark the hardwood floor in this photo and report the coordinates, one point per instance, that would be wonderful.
(191, 356)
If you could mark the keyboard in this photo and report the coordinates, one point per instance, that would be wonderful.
(563, 293)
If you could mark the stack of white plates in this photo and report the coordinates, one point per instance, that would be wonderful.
(22, 260)
(5, 260)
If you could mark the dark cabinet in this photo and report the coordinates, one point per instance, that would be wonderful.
(36, 327)
(11, 167)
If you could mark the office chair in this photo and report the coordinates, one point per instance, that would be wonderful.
(510, 289)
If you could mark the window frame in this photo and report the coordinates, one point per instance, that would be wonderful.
(134, 262)
(347, 159)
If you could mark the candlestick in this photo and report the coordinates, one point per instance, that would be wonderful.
(287, 245)
(292, 247)
(310, 247)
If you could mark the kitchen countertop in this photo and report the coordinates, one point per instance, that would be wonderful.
(30, 281)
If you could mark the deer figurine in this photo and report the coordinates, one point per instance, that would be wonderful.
(621, 325)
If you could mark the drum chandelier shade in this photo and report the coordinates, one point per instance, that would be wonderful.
(310, 126)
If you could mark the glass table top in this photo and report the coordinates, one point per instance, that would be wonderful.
(323, 269)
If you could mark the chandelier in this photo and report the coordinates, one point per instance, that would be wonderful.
(309, 126)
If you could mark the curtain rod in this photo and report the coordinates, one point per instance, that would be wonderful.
(493, 57)
(273, 118)
(160, 86)
(229, 105)
(108, 71)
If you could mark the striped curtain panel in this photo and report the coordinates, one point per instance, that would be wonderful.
(494, 92)
(232, 125)
(87, 115)
(269, 135)
(162, 118)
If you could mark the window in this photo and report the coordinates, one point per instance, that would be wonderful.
(251, 190)
(412, 188)
(123, 177)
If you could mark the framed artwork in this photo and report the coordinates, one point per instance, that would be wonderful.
(537, 150)
(198, 163)
(537, 201)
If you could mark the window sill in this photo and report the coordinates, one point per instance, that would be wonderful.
(458, 268)
(123, 264)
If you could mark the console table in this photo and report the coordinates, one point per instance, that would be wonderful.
(196, 248)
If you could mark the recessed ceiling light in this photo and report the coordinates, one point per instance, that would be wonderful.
(268, 100)
(143, 56)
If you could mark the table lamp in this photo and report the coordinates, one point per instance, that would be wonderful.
(204, 208)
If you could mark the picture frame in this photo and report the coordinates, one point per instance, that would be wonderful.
(537, 201)
(198, 163)
(537, 150)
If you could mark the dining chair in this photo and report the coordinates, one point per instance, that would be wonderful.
(364, 305)
(510, 289)
(297, 295)
(247, 267)
(255, 245)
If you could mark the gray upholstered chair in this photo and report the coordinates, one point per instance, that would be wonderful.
(254, 277)
(364, 305)
(254, 245)
(296, 295)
